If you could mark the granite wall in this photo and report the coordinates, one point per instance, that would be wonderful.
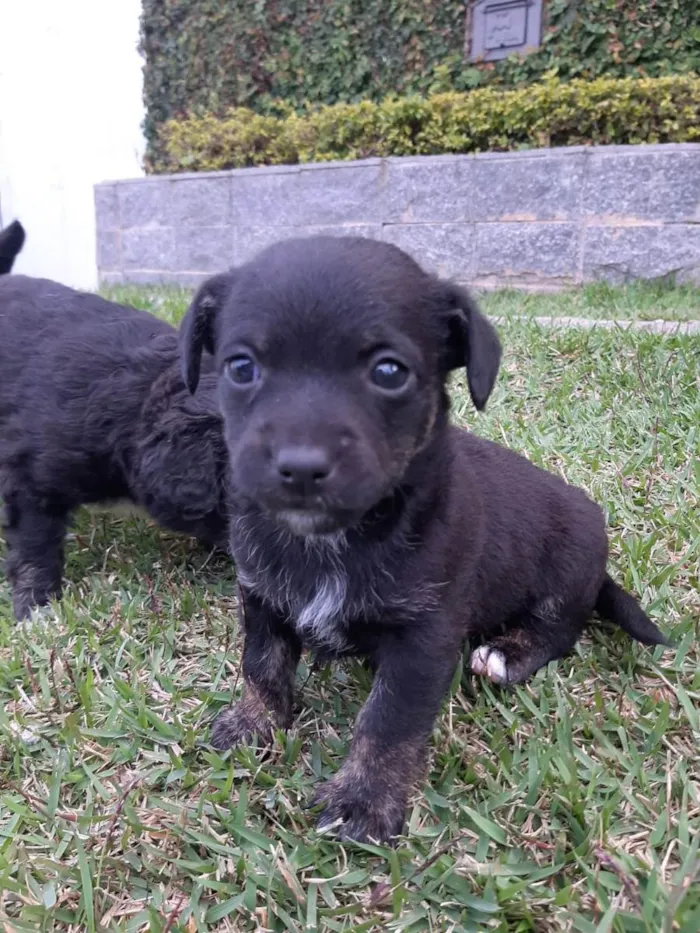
(538, 219)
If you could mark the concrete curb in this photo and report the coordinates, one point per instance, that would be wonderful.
(672, 328)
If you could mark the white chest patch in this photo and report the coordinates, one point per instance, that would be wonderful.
(322, 617)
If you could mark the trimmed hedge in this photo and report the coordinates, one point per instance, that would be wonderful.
(206, 56)
(551, 113)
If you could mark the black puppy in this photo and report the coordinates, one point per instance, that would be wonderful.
(93, 408)
(11, 243)
(362, 523)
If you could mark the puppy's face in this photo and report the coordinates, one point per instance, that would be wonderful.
(332, 356)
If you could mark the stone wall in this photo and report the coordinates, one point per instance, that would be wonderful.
(539, 219)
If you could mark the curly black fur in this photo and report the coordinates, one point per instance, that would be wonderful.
(93, 409)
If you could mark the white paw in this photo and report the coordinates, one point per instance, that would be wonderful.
(491, 663)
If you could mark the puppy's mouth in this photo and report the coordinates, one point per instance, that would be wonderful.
(305, 522)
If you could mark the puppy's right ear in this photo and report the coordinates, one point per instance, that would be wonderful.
(197, 331)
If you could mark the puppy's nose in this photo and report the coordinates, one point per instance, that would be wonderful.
(303, 468)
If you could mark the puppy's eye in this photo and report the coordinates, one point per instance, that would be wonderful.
(389, 374)
(242, 370)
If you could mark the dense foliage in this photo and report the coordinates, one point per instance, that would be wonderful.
(206, 56)
(550, 113)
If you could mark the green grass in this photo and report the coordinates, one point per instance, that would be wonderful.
(640, 301)
(569, 804)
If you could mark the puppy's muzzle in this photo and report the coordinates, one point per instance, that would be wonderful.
(303, 471)
(315, 477)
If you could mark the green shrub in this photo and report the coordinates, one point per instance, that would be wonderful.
(206, 56)
(551, 113)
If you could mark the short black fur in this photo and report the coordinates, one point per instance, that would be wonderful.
(364, 524)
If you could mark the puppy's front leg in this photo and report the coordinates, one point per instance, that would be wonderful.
(370, 793)
(270, 656)
(34, 532)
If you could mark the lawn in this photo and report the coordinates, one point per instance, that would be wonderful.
(569, 804)
(639, 301)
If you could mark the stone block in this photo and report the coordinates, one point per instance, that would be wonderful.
(466, 189)
(248, 241)
(428, 191)
(149, 277)
(203, 249)
(106, 207)
(148, 249)
(338, 194)
(108, 250)
(527, 190)
(322, 196)
(144, 203)
(370, 231)
(621, 254)
(111, 278)
(201, 202)
(259, 170)
(266, 200)
(526, 253)
(623, 187)
(443, 249)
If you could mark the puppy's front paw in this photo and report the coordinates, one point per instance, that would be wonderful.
(359, 811)
(237, 726)
(30, 591)
(491, 663)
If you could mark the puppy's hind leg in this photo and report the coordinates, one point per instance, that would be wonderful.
(34, 533)
(548, 632)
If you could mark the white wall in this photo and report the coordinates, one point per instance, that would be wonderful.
(70, 116)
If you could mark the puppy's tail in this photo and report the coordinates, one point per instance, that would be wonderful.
(618, 606)
(11, 242)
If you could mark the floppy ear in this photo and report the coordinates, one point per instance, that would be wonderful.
(472, 342)
(198, 326)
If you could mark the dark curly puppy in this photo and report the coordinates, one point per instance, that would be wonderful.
(93, 409)
(11, 243)
(362, 523)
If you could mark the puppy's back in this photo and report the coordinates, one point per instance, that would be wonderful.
(74, 371)
(44, 324)
(539, 533)
(33, 312)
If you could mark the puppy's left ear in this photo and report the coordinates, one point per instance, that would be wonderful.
(198, 328)
(472, 342)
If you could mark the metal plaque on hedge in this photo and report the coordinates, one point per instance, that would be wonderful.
(503, 27)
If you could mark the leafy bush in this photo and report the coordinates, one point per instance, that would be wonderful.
(551, 113)
(206, 56)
